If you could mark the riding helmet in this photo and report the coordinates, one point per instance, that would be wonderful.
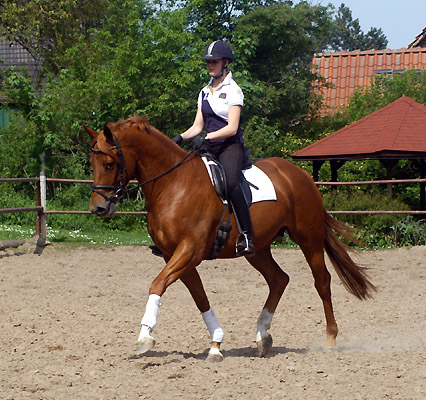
(218, 50)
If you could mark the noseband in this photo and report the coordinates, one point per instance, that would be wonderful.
(121, 170)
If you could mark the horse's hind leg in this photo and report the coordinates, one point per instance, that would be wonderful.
(314, 255)
(277, 281)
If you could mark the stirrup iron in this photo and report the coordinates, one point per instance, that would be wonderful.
(244, 244)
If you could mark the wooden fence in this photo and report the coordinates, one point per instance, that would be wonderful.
(42, 211)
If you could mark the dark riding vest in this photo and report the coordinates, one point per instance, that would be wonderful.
(213, 122)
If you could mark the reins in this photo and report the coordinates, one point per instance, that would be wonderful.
(120, 190)
(168, 171)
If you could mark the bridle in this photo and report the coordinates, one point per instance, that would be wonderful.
(121, 171)
(120, 188)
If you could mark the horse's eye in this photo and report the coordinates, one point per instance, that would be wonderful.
(109, 166)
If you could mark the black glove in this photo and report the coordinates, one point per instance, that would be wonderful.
(178, 139)
(197, 143)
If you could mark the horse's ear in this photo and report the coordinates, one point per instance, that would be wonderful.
(108, 135)
(92, 133)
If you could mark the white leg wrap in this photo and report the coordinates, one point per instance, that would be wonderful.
(144, 333)
(150, 317)
(264, 322)
(216, 332)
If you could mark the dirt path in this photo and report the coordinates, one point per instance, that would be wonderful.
(70, 320)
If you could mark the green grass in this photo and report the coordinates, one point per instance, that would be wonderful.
(408, 231)
(105, 238)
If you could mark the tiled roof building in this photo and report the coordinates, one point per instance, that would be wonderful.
(14, 55)
(347, 70)
(419, 41)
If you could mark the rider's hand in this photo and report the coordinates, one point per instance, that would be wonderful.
(197, 142)
(178, 139)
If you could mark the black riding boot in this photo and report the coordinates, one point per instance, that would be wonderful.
(244, 243)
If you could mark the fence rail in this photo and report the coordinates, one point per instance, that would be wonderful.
(42, 212)
(379, 182)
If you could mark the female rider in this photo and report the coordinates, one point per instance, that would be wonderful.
(218, 112)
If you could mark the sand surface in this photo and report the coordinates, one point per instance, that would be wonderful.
(70, 320)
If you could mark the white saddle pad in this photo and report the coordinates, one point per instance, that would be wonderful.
(258, 178)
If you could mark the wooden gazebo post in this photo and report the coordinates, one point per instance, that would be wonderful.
(422, 165)
(389, 164)
(335, 165)
(316, 167)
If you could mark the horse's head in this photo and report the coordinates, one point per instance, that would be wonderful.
(113, 167)
(124, 150)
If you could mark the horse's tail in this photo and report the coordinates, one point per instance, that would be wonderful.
(353, 277)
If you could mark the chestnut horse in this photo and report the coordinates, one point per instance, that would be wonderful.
(184, 212)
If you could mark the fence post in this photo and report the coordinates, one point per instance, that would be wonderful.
(38, 204)
(422, 185)
(42, 215)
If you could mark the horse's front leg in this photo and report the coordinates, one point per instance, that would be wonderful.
(175, 267)
(193, 283)
(180, 266)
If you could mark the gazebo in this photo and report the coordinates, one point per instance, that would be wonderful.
(395, 132)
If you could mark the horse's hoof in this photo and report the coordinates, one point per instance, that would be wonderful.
(330, 343)
(214, 357)
(144, 345)
(330, 350)
(264, 344)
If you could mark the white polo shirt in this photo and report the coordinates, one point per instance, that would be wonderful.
(215, 106)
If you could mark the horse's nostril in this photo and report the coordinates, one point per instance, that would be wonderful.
(100, 211)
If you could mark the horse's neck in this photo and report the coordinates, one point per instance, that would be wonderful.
(156, 157)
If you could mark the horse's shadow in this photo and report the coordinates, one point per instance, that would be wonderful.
(246, 352)
(251, 352)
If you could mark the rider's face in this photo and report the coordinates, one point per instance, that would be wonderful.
(214, 67)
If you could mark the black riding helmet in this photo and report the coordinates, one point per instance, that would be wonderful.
(219, 50)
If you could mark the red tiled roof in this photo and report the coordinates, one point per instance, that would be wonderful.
(347, 70)
(396, 130)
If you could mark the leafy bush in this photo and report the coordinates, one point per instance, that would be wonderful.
(68, 197)
(9, 198)
(410, 232)
(376, 230)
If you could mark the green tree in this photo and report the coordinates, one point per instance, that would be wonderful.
(347, 33)
(149, 68)
(274, 47)
(384, 90)
(217, 19)
(48, 28)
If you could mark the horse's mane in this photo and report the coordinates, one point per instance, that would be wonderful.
(141, 121)
(141, 124)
